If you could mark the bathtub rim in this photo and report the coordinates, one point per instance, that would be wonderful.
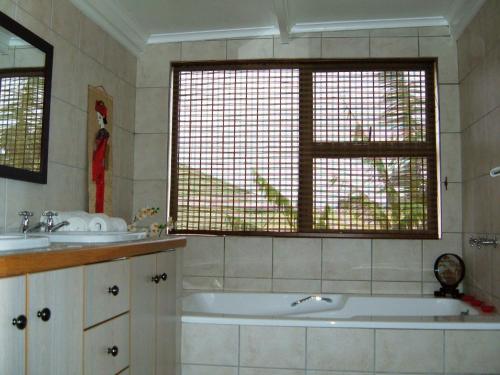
(478, 322)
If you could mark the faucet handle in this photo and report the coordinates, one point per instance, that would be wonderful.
(26, 214)
(49, 214)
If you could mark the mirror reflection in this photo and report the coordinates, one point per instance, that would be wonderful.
(22, 83)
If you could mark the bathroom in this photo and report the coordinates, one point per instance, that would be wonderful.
(104, 46)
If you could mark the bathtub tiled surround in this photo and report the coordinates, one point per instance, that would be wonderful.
(266, 350)
(83, 55)
(479, 71)
(313, 265)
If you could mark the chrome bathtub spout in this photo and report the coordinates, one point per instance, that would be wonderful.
(309, 298)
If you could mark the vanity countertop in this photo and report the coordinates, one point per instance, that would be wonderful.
(13, 263)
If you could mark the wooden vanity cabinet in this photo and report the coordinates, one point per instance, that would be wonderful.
(153, 314)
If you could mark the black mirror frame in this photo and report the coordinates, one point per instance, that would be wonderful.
(23, 174)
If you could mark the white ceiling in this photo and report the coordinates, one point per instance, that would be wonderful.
(138, 22)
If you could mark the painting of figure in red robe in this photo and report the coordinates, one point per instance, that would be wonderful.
(99, 146)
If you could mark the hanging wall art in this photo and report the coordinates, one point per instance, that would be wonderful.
(99, 131)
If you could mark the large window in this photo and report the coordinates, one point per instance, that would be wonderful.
(346, 148)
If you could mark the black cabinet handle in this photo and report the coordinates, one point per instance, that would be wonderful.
(44, 314)
(156, 279)
(164, 276)
(113, 351)
(114, 290)
(20, 322)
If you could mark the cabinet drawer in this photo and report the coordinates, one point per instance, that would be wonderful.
(107, 291)
(106, 347)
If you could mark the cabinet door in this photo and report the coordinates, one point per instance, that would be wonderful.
(142, 315)
(55, 342)
(166, 315)
(12, 339)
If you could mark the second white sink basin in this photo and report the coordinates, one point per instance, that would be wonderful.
(92, 237)
(11, 242)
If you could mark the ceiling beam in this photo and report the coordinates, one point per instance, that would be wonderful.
(282, 15)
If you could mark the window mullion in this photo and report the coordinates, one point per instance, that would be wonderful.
(305, 196)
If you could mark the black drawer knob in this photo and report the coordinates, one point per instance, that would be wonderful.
(44, 314)
(114, 290)
(113, 351)
(156, 279)
(164, 276)
(20, 322)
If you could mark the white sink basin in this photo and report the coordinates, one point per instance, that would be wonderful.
(92, 237)
(10, 242)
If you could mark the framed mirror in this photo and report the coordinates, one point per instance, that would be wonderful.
(25, 83)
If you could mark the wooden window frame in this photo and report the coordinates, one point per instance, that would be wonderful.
(309, 150)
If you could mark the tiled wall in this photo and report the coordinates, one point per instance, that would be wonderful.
(479, 72)
(83, 55)
(329, 265)
(267, 350)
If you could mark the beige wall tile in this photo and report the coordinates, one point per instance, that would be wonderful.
(346, 259)
(37, 25)
(409, 351)
(472, 352)
(150, 157)
(203, 256)
(449, 243)
(151, 193)
(8, 7)
(250, 48)
(445, 49)
(66, 20)
(452, 208)
(451, 162)
(449, 108)
(210, 344)
(297, 258)
(23, 195)
(204, 50)
(248, 257)
(345, 47)
(247, 285)
(340, 349)
(93, 40)
(264, 371)
(298, 48)
(202, 283)
(396, 31)
(122, 197)
(208, 370)
(396, 287)
(296, 286)
(394, 47)
(153, 67)
(152, 110)
(397, 260)
(346, 34)
(434, 31)
(351, 287)
(265, 346)
(39, 9)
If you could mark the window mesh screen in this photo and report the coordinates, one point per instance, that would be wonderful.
(341, 147)
(21, 111)
(237, 150)
(356, 194)
(362, 106)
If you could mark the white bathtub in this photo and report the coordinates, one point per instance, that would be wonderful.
(342, 311)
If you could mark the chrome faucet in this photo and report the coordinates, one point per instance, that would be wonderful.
(50, 226)
(314, 298)
(25, 220)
